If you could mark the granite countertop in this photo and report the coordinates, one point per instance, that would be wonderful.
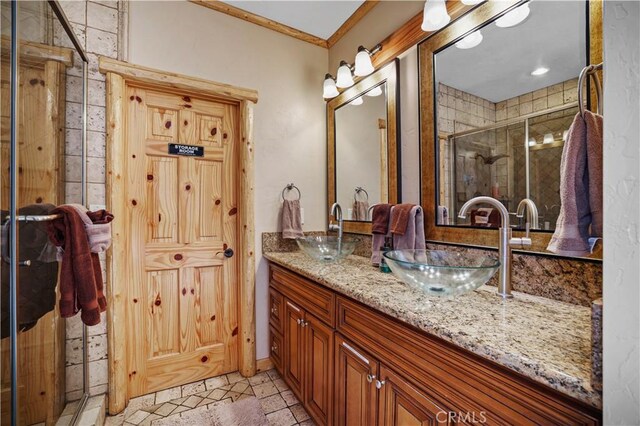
(543, 339)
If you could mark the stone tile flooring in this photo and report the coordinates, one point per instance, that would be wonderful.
(281, 407)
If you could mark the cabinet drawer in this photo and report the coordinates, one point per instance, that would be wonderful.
(455, 378)
(311, 297)
(276, 347)
(276, 309)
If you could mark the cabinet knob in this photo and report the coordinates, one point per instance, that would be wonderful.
(274, 348)
(370, 377)
(274, 309)
(379, 384)
(300, 321)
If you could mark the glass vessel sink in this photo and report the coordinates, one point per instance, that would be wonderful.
(327, 249)
(439, 272)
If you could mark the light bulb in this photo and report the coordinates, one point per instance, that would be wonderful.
(548, 138)
(363, 63)
(471, 2)
(540, 71)
(514, 17)
(376, 91)
(345, 79)
(357, 101)
(472, 40)
(329, 89)
(532, 142)
(435, 15)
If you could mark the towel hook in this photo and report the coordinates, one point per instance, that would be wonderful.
(590, 71)
(357, 192)
(290, 187)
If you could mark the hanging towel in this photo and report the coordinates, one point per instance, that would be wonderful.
(580, 187)
(81, 286)
(413, 237)
(360, 209)
(98, 227)
(291, 219)
(400, 218)
(379, 230)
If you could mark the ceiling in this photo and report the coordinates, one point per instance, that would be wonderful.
(315, 17)
(553, 36)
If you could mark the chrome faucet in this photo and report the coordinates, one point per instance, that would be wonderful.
(336, 211)
(504, 280)
(532, 217)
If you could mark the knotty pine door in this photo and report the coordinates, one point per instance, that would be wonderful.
(182, 219)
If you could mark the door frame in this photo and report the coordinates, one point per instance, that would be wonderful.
(119, 75)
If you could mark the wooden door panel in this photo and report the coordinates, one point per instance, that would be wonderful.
(162, 200)
(402, 404)
(293, 348)
(183, 216)
(164, 312)
(356, 395)
(319, 368)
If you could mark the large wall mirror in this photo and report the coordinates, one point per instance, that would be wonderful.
(498, 94)
(362, 146)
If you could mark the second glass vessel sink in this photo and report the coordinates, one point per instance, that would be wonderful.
(439, 272)
(326, 248)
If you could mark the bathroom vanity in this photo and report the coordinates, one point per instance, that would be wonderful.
(359, 347)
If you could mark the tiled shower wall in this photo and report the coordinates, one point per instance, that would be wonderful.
(97, 25)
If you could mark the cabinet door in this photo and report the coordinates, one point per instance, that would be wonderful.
(319, 370)
(294, 347)
(355, 391)
(276, 309)
(401, 404)
(276, 345)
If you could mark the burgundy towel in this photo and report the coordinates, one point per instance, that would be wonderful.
(400, 219)
(380, 219)
(580, 187)
(80, 274)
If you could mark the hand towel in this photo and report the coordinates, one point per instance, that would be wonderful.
(81, 286)
(98, 227)
(360, 210)
(379, 230)
(291, 219)
(580, 187)
(400, 218)
(413, 237)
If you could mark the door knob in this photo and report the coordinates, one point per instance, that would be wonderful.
(228, 252)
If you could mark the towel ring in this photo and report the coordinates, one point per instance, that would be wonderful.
(291, 187)
(590, 71)
(357, 192)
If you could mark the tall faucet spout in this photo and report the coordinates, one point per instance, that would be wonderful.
(336, 211)
(504, 282)
(532, 213)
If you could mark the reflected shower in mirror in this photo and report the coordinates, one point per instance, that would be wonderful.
(361, 153)
(506, 95)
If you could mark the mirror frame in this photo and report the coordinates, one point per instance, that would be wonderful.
(387, 74)
(476, 18)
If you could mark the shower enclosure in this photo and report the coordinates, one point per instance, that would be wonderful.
(40, 108)
(510, 161)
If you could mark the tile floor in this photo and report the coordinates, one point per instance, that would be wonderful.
(281, 407)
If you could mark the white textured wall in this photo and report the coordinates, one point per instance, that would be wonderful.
(622, 213)
(289, 121)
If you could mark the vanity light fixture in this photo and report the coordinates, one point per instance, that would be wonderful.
(470, 41)
(376, 91)
(435, 15)
(471, 2)
(532, 142)
(363, 65)
(548, 138)
(539, 71)
(514, 17)
(357, 101)
(329, 89)
(345, 79)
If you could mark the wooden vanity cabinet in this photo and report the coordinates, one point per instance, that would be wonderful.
(352, 365)
(307, 353)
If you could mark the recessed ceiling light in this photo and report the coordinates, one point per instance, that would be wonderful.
(540, 71)
(472, 40)
(514, 17)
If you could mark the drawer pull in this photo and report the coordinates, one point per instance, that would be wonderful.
(370, 378)
(379, 384)
(356, 353)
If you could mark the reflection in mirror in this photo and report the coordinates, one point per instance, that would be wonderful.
(361, 153)
(506, 96)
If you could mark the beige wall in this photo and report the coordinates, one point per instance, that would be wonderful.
(289, 122)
